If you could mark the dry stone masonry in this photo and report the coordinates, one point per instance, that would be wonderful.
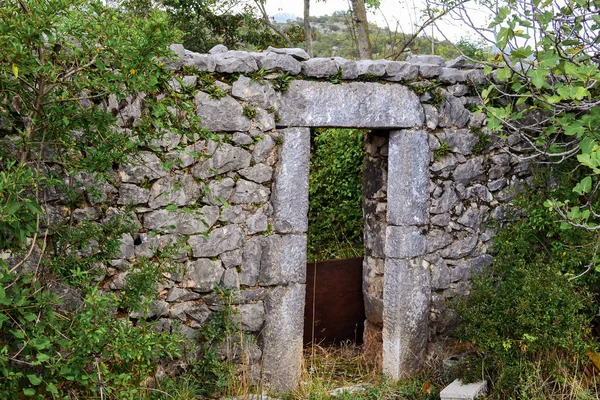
(434, 180)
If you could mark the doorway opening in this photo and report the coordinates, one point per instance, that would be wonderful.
(334, 312)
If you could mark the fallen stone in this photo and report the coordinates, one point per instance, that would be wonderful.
(460, 391)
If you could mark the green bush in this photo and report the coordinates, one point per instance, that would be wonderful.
(335, 216)
(529, 316)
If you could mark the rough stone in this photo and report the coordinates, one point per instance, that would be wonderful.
(406, 297)
(183, 223)
(469, 171)
(452, 76)
(460, 248)
(445, 203)
(429, 70)
(251, 261)
(264, 121)
(226, 158)
(252, 316)
(453, 113)
(219, 240)
(297, 53)
(146, 165)
(231, 279)
(270, 61)
(247, 192)
(438, 239)
(218, 49)
(283, 260)
(132, 194)
(233, 61)
(281, 338)
(220, 191)
(373, 308)
(179, 294)
(348, 67)
(202, 62)
(263, 148)
(241, 139)
(371, 67)
(352, 105)
(432, 117)
(460, 141)
(319, 67)
(231, 258)
(459, 391)
(400, 71)
(404, 242)
(290, 188)
(180, 190)
(257, 222)
(261, 94)
(408, 178)
(426, 59)
(440, 275)
(205, 273)
(259, 173)
(233, 215)
(211, 112)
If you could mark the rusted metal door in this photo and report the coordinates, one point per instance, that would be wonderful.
(334, 311)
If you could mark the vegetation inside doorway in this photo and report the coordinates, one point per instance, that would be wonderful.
(335, 216)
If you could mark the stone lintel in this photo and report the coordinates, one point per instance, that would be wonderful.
(281, 338)
(290, 190)
(406, 298)
(408, 178)
(350, 105)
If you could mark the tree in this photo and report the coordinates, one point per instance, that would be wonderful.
(307, 29)
(359, 16)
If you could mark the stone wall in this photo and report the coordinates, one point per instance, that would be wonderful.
(434, 179)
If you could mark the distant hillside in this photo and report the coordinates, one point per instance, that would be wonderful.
(282, 18)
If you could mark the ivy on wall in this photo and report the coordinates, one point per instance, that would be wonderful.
(335, 216)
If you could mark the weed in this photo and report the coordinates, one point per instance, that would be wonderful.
(281, 83)
(336, 78)
(442, 151)
(258, 76)
(484, 141)
(215, 92)
(249, 111)
(368, 77)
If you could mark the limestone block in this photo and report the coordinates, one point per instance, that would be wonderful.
(234, 61)
(205, 274)
(262, 148)
(219, 240)
(283, 260)
(453, 113)
(260, 94)
(460, 391)
(251, 316)
(202, 62)
(251, 261)
(371, 67)
(211, 112)
(220, 48)
(180, 190)
(281, 338)
(429, 70)
(271, 61)
(408, 178)
(231, 258)
(352, 105)
(348, 67)
(257, 222)
(404, 242)
(145, 165)
(219, 191)
(438, 239)
(179, 294)
(460, 248)
(297, 53)
(426, 59)
(460, 141)
(259, 173)
(469, 171)
(226, 158)
(406, 298)
(319, 67)
(290, 188)
(183, 223)
(396, 71)
(246, 192)
(132, 194)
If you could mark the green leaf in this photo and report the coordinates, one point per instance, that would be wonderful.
(29, 392)
(584, 186)
(538, 77)
(51, 388)
(171, 207)
(34, 379)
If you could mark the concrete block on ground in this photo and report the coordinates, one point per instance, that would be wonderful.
(460, 391)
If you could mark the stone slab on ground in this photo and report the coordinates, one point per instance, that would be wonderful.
(459, 391)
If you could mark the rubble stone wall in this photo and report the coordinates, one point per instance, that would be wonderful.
(433, 180)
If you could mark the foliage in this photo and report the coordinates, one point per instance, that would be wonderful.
(65, 67)
(335, 213)
(249, 111)
(552, 96)
(530, 315)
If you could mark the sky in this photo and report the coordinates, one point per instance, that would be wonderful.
(402, 13)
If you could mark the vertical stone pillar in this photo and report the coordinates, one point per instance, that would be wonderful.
(283, 266)
(406, 287)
